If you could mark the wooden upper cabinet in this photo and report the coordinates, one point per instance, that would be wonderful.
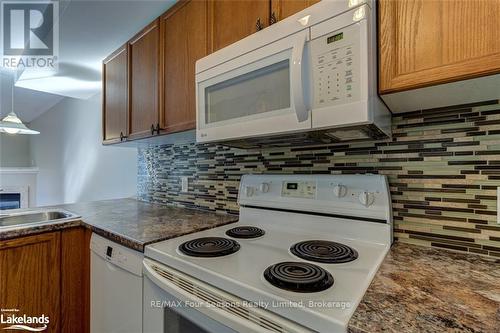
(184, 39)
(30, 277)
(232, 20)
(143, 81)
(149, 84)
(284, 8)
(423, 43)
(115, 96)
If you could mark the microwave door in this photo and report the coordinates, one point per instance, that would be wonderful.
(256, 94)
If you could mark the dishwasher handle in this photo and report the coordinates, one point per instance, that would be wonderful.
(116, 255)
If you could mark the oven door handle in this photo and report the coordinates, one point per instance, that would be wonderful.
(296, 77)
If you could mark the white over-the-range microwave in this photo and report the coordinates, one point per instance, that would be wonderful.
(311, 78)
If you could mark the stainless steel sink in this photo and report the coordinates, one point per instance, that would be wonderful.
(29, 217)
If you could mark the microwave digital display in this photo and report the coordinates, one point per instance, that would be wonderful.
(335, 38)
(292, 186)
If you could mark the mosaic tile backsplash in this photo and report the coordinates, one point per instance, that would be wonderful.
(443, 167)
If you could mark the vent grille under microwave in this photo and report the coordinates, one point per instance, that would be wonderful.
(231, 304)
(327, 136)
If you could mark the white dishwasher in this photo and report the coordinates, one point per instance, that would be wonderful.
(115, 287)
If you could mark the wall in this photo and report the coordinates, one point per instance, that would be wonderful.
(73, 164)
(443, 166)
(14, 150)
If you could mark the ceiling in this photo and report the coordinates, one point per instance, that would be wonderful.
(89, 30)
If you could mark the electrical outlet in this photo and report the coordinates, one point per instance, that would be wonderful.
(184, 183)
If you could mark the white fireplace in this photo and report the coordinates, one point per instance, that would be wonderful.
(17, 188)
(12, 197)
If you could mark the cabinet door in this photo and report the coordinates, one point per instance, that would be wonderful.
(424, 43)
(115, 94)
(184, 39)
(284, 8)
(30, 277)
(143, 81)
(232, 20)
(75, 280)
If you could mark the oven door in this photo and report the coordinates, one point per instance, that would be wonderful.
(162, 315)
(259, 93)
(177, 303)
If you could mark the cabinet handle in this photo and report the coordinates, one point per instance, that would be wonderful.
(158, 128)
(152, 129)
(272, 19)
(258, 25)
(122, 137)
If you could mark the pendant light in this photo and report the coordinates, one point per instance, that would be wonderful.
(11, 124)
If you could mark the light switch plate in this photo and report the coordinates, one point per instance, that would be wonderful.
(184, 183)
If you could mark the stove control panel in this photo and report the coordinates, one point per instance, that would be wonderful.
(299, 189)
(340, 190)
(364, 196)
(264, 187)
(249, 191)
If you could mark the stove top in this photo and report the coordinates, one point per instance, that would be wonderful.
(242, 273)
(209, 247)
(324, 251)
(308, 266)
(299, 277)
(245, 231)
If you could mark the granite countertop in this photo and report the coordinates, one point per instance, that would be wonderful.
(420, 289)
(131, 222)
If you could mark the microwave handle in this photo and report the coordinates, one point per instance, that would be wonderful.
(297, 82)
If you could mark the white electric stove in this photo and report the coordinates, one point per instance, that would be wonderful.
(299, 259)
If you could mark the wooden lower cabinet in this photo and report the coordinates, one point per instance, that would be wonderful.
(75, 280)
(30, 277)
(47, 274)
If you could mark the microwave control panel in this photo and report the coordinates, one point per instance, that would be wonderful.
(335, 67)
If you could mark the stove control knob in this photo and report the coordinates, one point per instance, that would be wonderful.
(340, 191)
(264, 187)
(249, 190)
(366, 198)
